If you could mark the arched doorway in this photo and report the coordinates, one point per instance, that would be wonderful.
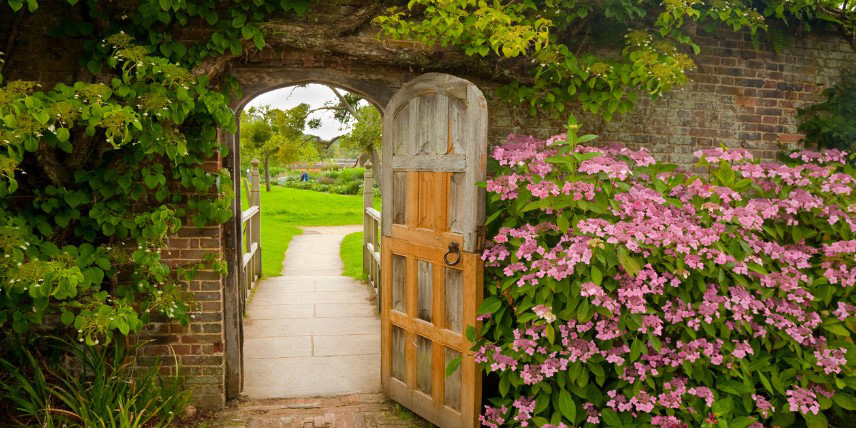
(234, 296)
(435, 144)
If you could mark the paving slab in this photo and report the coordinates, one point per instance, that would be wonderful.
(340, 310)
(274, 287)
(303, 297)
(276, 347)
(271, 312)
(312, 376)
(312, 327)
(348, 344)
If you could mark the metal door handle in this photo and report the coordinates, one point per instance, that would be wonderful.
(454, 248)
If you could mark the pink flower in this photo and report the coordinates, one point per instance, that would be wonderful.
(525, 407)
(592, 412)
(704, 393)
(719, 154)
(802, 400)
(831, 360)
(493, 417)
(764, 406)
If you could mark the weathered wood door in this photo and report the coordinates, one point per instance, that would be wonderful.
(434, 153)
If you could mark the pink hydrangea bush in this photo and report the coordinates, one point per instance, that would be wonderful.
(625, 292)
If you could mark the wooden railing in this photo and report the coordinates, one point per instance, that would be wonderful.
(251, 227)
(371, 233)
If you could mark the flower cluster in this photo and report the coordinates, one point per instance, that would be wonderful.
(628, 291)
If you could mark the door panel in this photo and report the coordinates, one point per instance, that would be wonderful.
(434, 153)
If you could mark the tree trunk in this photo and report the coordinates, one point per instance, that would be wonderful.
(267, 172)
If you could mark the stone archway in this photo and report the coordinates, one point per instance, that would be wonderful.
(377, 87)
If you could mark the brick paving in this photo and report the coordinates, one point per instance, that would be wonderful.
(348, 411)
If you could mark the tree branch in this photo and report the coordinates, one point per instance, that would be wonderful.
(338, 39)
(344, 102)
(326, 108)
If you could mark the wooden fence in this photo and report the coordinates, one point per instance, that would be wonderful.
(251, 227)
(371, 233)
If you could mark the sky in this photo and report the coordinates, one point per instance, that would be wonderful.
(313, 94)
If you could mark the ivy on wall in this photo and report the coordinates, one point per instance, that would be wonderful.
(831, 123)
(602, 55)
(95, 174)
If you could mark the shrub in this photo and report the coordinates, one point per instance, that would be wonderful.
(625, 292)
(348, 181)
(831, 124)
(89, 386)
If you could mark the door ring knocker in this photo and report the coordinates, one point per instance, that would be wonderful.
(454, 248)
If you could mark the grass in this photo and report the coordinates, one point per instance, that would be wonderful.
(284, 210)
(351, 252)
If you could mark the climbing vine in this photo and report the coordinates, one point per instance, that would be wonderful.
(97, 173)
(599, 54)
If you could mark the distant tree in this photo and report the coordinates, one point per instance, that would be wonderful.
(365, 134)
(267, 132)
(366, 124)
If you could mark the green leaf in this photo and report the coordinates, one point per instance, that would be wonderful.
(741, 422)
(67, 317)
(453, 365)
(816, 421)
(845, 400)
(654, 342)
(567, 406)
(490, 305)
(151, 181)
(755, 267)
(62, 134)
(596, 276)
(259, 41)
(636, 349)
(628, 262)
(610, 418)
(504, 386)
(837, 329)
(470, 333)
(563, 223)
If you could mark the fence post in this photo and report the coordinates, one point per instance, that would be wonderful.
(255, 199)
(368, 221)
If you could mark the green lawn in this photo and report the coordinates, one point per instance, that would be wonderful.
(352, 255)
(283, 210)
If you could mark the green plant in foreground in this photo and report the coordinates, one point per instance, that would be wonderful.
(90, 386)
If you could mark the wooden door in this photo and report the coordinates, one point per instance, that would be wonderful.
(434, 153)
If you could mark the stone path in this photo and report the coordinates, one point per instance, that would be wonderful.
(312, 332)
(312, 348)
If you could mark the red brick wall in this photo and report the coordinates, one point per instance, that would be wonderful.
(738, 96)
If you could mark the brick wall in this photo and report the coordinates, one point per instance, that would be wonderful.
(738, 96)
